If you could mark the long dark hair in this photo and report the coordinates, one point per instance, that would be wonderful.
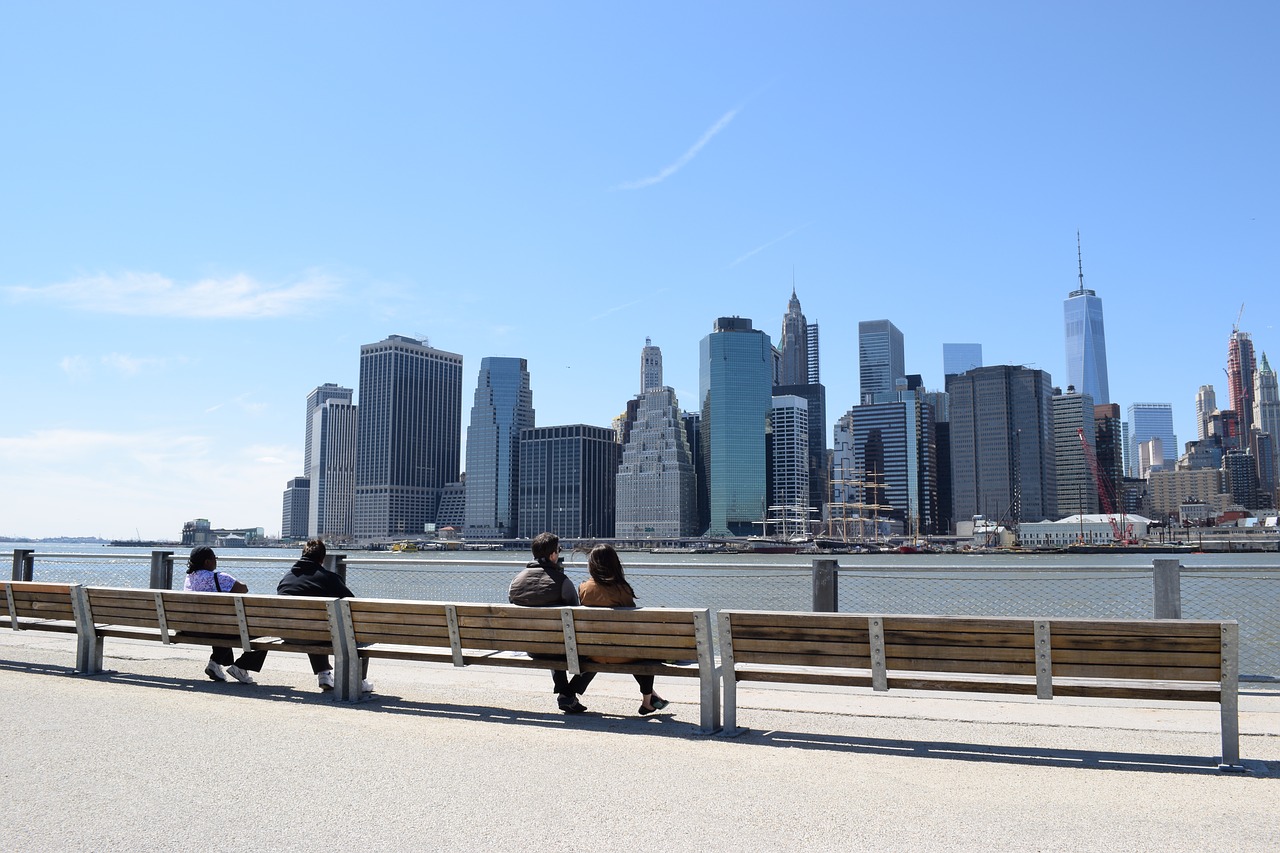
(606, 569)
(199, 556)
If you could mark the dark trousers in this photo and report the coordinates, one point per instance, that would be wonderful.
(320, 663)
(576, 685)
(645, 682)
(251, 661)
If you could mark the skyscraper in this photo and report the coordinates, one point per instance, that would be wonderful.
(735, 383)
(1206, 405)
(1241, 366)
(1148, 421)
(879, 449)
(1086, 340)
(1073, 414)
(957, 358)
(794, 345)
(409, 435)
(1109, 446)
(567, 481)
(800, 376)
(1002, 460)
(503, 408)
(788, 493)
(317, 398)
(650, 366)
(293, 521)
(656, 485)
(881, 361)
(333, 432)
(1266, 420)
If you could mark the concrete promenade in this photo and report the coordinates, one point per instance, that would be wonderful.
(157, 757)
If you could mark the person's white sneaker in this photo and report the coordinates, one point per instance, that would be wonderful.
(326, 679)
(240, 675)
(214, 671)
(366, 686)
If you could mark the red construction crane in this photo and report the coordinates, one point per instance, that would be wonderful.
(1123, 537)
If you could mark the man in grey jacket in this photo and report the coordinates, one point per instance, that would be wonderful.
(543, 583)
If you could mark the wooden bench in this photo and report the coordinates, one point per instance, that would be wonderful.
(272, 622)
(663, 641)
(38, 607)
(1166, 659)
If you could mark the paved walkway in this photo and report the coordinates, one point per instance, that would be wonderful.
(157, 757)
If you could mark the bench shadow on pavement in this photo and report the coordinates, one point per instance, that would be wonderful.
(670, 725)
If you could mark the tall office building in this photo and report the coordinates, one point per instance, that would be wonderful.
(293, 521)
(1148, 421)
(502, 410)
(800, 376)
(735, 385)
(1073, 415)
(798, 347)
(883, 453)
(1241, 365)
(1206, 405)
(1086, 340)
(957, 358)
(409, 435)
(1002, 448)
(881, 359)
(788, 450)
(650, 366)
(568, 481)
(1266, 418)
(1108, 445)
(656, 487)
(317, 398)
(693, 431)
(334, 442)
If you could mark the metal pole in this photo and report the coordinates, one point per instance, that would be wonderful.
(161, 570)
(1167, 577)
(24, 563)
(337, 563)
(825, 599)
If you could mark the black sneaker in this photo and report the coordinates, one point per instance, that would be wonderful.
(570, 704)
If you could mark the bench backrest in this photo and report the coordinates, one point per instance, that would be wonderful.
(30, 601)
(642, 633)
(1165, 649)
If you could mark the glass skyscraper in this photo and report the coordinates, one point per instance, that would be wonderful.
(567, 481)
(1002, 461)
(1086, 341)
(881, 361)
(410, 435)
(503, 407)
(735, 379)
(1148, 421)
(957, 358)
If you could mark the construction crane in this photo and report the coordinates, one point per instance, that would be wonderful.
(1122, 537)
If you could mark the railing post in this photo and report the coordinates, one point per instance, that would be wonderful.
(337, 563)
(1167, 576)
(161, 570)
(24, 564)
(824, 587)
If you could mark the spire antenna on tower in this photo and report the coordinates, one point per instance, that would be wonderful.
(1079, 259)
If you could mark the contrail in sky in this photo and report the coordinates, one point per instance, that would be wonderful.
(759, 249)
(685, 157)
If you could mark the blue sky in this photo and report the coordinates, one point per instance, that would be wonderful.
(206, 209)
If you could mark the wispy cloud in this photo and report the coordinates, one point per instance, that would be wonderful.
(685, 157)
(616, 309)
(153, 295)
(80, 368)
(773, 242)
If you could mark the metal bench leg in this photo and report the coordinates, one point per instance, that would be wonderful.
(1229, 700)
(729, 678)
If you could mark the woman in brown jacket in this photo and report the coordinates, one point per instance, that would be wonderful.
(608, 587)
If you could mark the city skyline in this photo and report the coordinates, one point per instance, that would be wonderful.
(210, 219)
